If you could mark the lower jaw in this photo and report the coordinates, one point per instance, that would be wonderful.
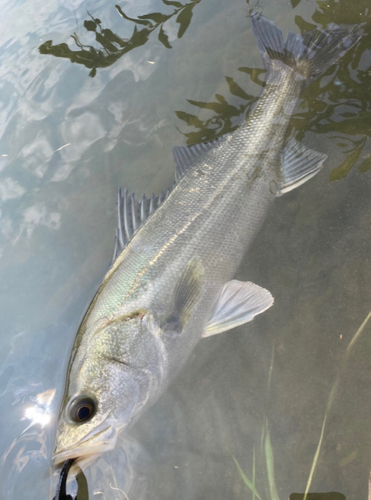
(89, 451)
(86, 458)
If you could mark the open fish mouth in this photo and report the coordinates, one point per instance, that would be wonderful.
(89, 448)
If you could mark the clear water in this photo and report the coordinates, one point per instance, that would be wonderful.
(69, 140)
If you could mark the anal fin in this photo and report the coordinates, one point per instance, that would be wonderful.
(299, 165)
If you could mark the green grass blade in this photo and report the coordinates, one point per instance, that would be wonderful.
(247, 481)
(253, 473)
(270, 465)
(331, 400)
(270, 370)
(262, 437)
(355, 338)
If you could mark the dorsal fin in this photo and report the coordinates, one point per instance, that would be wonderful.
(187, 156)
(132, 214)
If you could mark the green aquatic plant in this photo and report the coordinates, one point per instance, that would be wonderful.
(266, 451)
(338, 104)
(111, 47)
(266, 445)
(269, 467)
(249, 484)
(343, 104)
(223, 119)
(335, 387)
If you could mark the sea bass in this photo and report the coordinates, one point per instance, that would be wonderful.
(171, 281)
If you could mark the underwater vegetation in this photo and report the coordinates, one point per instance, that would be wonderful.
(266, 450)
(338, 104)
(111, 46)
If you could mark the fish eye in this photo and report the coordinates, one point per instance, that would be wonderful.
(82, 409)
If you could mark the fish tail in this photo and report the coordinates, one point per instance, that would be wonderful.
(309, 53)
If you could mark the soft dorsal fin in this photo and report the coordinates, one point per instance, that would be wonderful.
(187, 156)
(238, 303)
(132, 214)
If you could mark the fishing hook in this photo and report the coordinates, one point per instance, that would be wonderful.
(61, 488)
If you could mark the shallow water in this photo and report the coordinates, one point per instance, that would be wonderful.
(69, 140)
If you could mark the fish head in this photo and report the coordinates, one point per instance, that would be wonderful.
(108, 383)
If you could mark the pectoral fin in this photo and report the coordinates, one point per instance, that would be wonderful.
(186, 294)
(238, 303)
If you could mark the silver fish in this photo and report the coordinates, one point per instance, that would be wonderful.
(171, 282)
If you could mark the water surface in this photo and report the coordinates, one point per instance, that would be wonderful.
(93, 97)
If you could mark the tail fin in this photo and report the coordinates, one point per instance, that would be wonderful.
(310, 53)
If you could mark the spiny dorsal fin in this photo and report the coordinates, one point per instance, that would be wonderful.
(187, 156)
(132, 214)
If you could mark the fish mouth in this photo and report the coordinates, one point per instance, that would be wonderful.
(88, 448)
